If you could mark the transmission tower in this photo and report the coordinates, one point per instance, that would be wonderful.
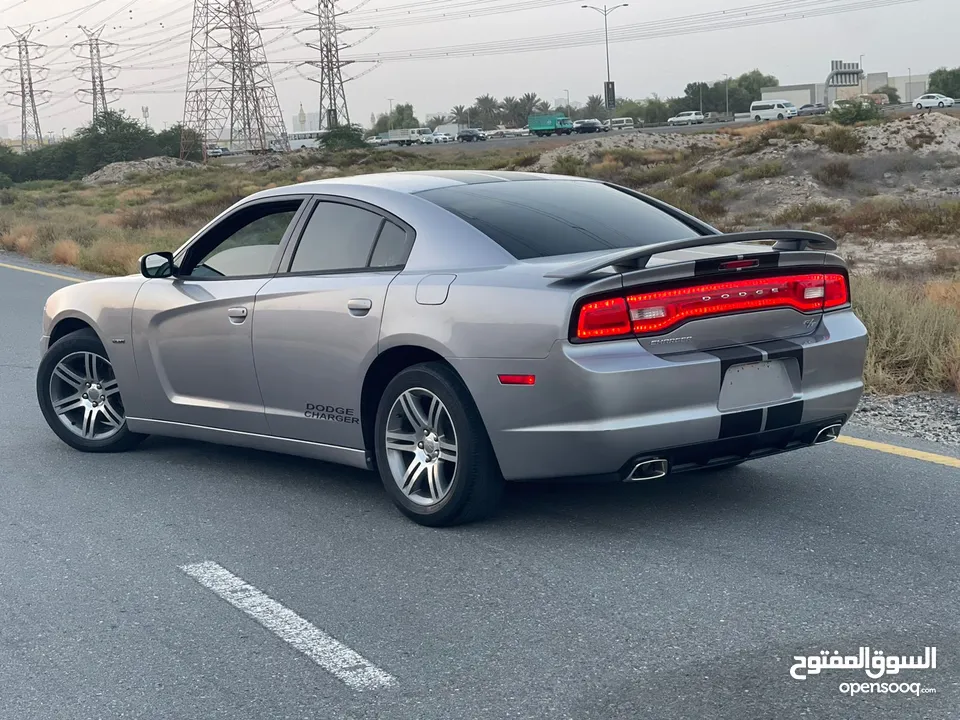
(93, 51)
(229, 84)
(26, 96)
(333, 99)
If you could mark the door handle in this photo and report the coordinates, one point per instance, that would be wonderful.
(237, 315)
(359, 306)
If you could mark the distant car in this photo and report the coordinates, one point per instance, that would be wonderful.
(624, 123)
(376, 141)
(435, 139)
(931, 100)
(587, 126)
(215, 152)
(455, 329)
(689, 117)
(812, 109)
(471, 135)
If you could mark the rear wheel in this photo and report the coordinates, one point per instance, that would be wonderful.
(757, 118)
(919, 106)
(79, 396)
(433, 454)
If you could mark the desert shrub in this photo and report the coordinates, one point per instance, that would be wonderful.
(834, 174)
(569, 165)
(698, 182)
(5, 181)
(769, 169)
(851, 113)
(914, 341)
(841, 140)
(805, 213)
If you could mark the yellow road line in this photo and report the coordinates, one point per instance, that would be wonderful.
(41, 272)
(902, 451)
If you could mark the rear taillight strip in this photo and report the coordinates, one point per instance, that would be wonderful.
(661, 311)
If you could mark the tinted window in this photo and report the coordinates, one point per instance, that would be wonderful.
(539, 218)
(244, 243)
(337, 237)
(392, 247)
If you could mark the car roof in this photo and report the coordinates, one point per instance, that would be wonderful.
(415, 181)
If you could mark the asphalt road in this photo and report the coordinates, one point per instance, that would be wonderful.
(679, 599)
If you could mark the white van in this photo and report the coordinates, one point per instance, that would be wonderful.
(624, 123)
(772, 110)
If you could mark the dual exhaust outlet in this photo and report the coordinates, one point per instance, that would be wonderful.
(654, 468)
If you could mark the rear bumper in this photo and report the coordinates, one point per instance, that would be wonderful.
(594, 409)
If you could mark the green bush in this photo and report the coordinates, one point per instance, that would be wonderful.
(841, 140)
(853, 112)
(834, 174)
(769, 169)
(344, 138)
(6, 181)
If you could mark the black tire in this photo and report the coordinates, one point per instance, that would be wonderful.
(940, 104)
(758, 118)
(477, 484)
(779, 116)
(80, 341)
(919, 106)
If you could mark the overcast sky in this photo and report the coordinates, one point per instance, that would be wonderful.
(153, 38)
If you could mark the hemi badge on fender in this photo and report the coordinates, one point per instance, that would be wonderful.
(739, 264)
(118, 341)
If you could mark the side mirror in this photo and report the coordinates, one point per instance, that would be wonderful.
(157, 265)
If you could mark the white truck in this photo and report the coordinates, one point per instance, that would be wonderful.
(407, 136)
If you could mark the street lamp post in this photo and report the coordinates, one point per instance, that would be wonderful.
(390, 115)
(726, 84)
(606, 35)
(860, 65)
(568, 101)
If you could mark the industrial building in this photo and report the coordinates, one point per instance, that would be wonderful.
(908, 87)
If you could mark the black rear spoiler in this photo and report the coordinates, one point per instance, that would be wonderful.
(636, 258)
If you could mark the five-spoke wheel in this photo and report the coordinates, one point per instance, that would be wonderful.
(433, 453)
(79, 395)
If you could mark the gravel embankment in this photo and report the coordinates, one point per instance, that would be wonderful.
(928, 416)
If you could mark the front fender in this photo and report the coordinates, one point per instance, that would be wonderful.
(106, 306)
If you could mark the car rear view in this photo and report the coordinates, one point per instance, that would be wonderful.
(677, 348)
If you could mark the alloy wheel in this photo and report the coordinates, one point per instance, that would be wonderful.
(421, 446)
(85, 396)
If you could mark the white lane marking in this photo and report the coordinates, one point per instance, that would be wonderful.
(345, 664)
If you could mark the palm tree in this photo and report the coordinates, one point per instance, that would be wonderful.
(487, 110)
(594, 106)
(436, 121)
(543, 106)
(528, 105)
(510, 107)
(461, 114)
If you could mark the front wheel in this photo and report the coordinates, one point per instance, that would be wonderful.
(940, 104)
(779, 116)
(757, 118)
(79, 396)
(433, 454)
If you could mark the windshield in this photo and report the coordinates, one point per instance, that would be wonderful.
(541, 218)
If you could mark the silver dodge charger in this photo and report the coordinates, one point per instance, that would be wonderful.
(453, 330)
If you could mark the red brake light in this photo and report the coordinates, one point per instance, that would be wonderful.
(836, 292)
(661, 311)
(604, 318)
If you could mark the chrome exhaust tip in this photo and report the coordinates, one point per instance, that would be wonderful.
(648, 470)
(827, 434)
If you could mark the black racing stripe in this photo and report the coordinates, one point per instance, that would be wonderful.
(711, 266)
(784, 416)
(781, 349)
(735, 356)
(735, 424)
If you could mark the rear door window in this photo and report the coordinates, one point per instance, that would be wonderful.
(541, 218)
